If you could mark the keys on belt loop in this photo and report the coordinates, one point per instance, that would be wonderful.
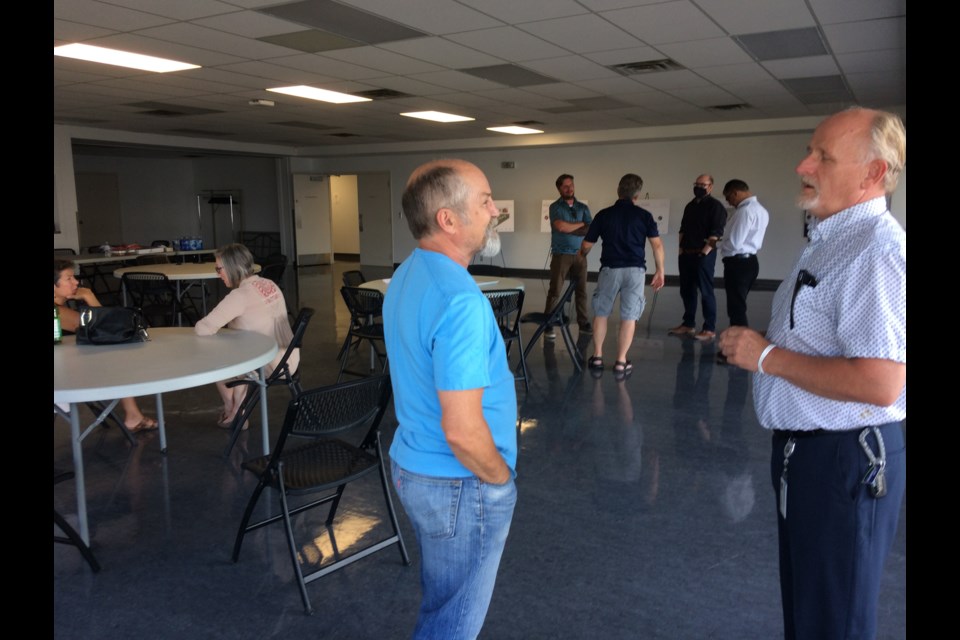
(787, 452)
(875, 477)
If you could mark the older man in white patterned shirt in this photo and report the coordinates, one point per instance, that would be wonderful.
(831, 380)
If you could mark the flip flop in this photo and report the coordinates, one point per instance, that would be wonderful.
(595, 362)
(146, 424)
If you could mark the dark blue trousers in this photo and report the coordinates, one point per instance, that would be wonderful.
(836, 536)
(696, 274)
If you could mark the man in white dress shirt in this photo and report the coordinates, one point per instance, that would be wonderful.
(739, 248)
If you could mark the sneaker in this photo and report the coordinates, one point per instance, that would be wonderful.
(682, 330)
(586, 328)
(705, 335)
(550, 334)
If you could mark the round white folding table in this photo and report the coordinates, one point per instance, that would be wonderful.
(172, 359)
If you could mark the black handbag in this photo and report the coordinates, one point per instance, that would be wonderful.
(111, 325)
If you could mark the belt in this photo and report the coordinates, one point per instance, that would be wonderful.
(740, 256)
(789, 433)
(810, 433)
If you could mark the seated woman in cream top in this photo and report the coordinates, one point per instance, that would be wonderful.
(254, 304)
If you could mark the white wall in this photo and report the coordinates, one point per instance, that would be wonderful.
(669, 166)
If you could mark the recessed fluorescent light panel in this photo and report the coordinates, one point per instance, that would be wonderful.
(323, 95)
(514, 130)
(120, 58)
(437, 116)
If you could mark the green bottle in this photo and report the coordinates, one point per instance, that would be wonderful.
(57, 330)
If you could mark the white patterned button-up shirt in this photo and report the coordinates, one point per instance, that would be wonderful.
(858, 309)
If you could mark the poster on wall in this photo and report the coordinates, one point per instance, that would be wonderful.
(660, 208)
(545, 214)
(505, 219)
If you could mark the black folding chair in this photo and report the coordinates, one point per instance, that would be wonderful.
(365, 307)
(155, 296)
(353, 278)
(315, 454)
(558, 319)
(507, 307)
(280, 375)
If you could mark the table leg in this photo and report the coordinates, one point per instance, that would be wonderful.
(162, 424)
(78, 471)
(263, 411)
(179, 306)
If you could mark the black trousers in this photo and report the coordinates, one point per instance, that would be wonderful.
(739, 274)
(836, 536)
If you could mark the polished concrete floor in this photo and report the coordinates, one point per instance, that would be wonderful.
(645, 510)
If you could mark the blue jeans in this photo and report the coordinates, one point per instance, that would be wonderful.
(461, 526)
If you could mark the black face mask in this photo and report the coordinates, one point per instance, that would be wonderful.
(699, 192)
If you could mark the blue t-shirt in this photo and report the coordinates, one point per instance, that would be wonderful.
(624, 228)
(441, 335)
(566, 243)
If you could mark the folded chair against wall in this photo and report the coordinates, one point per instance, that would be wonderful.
(558, 319)
(315, 454)
(280, 375)
(507, 308)
(365, 307)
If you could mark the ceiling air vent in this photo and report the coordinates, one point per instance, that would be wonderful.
(730, 107)
(381, 94)
(646, 66)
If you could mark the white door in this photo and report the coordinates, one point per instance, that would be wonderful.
(311, 196)
(375, 219)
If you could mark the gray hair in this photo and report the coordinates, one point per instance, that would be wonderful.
(888, 142)
(237, 262)
(630, 186)
(431, 188)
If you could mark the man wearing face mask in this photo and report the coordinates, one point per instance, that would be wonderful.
(700, 230)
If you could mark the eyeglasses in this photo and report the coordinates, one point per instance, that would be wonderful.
(702, 184)
(219, 269)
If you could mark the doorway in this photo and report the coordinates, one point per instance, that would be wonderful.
(343, 214)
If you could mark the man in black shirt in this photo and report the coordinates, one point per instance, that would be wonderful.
(700, 230)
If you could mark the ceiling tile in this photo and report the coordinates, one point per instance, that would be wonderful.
(749, 16)
(106, 16)
(386, 61)
(706, 53)
(667, 22)
(801, 67)
(831, 11)
(867, 35)
(582, 34)
(570, 68)
(867, 61)
(514, 12)
(437, 17)
(509, 43)
(441, 51)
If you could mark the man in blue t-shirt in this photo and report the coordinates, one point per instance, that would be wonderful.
(569, 219)
(624, 228)
(455, 449)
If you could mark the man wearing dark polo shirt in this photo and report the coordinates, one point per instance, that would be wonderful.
(700, 229)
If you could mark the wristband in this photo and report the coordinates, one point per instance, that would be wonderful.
(770, 347)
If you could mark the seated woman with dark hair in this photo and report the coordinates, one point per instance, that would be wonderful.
(254, 304)
(70, 298)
